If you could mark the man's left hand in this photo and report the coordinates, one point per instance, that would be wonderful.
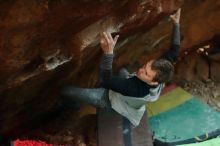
(108, 43)
(176, 17)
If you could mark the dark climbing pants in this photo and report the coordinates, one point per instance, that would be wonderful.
(97, 97)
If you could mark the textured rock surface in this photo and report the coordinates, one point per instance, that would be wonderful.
(45, 44)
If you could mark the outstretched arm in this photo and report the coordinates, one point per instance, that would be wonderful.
(107, 44)
(173, 52)
(107, 80)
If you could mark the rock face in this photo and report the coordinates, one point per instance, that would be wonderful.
(46, 44)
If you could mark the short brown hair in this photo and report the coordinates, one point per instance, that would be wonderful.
(164, 70)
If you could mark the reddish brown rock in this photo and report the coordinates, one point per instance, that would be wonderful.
(46, 44)
(214, 71)
(193, 67)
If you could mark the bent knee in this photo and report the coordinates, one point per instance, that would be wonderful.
(66, 90)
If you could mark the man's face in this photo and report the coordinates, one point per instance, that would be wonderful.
(146, 74)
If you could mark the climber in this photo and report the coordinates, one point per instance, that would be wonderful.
(127, 94)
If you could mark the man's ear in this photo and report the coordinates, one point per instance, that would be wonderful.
(154, 83)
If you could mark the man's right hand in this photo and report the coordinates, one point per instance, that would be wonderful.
(176, 17)
(107, 42)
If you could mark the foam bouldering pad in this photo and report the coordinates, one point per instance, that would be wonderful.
(115, 130)
(179, 118)
(211, 142)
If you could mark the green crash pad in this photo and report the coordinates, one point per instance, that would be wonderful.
(211, 142)
(178, 116)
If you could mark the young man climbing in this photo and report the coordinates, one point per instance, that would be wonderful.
(127, 95)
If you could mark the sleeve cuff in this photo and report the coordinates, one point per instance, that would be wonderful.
(106, 62)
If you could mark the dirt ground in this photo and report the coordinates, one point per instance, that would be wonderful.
(66, 128)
